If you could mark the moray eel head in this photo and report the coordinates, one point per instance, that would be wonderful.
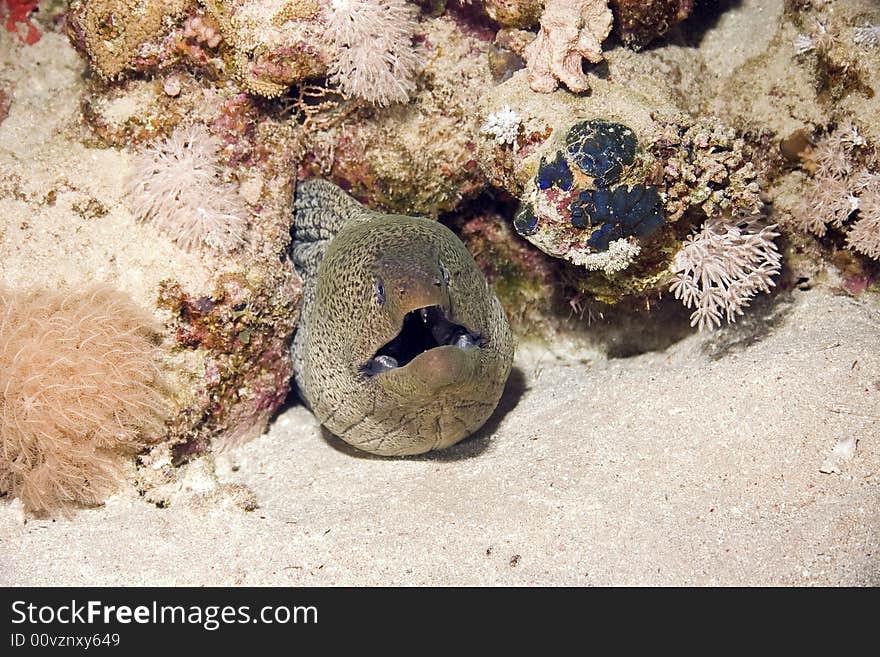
(403, 347)
(430, 345)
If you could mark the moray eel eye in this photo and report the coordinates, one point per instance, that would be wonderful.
(445, 273)
(380, 292)
(423, 329)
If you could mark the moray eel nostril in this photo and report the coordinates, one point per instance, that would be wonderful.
(402, 346)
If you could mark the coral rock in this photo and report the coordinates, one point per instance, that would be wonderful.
(112, 31)
(417, 158)
(275, 43)
(514, 13)
(641, 21)
(570, 32)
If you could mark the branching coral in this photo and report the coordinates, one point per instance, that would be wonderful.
(705, 165)
(177, 184)
(78, 388)
(571, 31)
(375, 58)
(722, 267)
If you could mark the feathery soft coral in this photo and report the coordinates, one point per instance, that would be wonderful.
(79, 387)
(722, 267)
(864, 236)
(177, 184)
(375, 58)
(843, 192)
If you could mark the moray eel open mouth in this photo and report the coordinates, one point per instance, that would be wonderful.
(423, 329)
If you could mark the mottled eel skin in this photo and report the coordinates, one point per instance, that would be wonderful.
(402, 347)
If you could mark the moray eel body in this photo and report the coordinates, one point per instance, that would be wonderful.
(402, 347)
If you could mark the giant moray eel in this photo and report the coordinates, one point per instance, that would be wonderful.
(402, 347)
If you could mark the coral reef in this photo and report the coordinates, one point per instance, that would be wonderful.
(570, 33)
(81, 387)
(669, 171)
(722, 267)
(611, 184)
(265, 45)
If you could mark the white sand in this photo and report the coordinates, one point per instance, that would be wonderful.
(696, 465)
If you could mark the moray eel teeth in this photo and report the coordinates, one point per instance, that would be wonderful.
(416, 337)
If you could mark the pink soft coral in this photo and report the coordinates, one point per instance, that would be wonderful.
(571, 31)
(844, 191)
(719, 269)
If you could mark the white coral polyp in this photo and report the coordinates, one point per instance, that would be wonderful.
(375, 59)
(503, 126)
(619, 255)
(176, 184)
(722, 267)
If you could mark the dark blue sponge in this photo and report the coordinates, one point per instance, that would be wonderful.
(601, 149)
(554, 173)
(619, 212)
(525, 222)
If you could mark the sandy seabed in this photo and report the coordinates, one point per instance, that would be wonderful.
(699, 464)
